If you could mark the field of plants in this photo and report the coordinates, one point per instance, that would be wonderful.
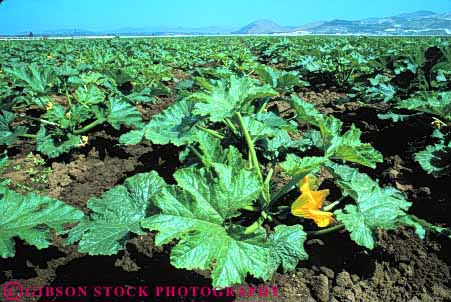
(319, 165)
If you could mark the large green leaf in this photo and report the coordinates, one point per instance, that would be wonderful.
(275, 121)
(267, 125)
(228, 97)
(259, 130)
(53, 144)
(212, 152)
(123, 113)
(90, 95)
(8, 135)
(133, 137)
(30, 217)
(198, 210)
(436, 159)
(375, 207)
(437, 103)
(176, 125)
(4, 162)
(347, 146)
(37, 79)
(271, 132)
(275, 146)
(280, 80)
(329, 126)
(295, 165)
(148, 94)
(116, 214)
(287, 246)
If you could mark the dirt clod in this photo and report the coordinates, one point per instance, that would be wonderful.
(344, 280)
(320, 288)
(87, 176)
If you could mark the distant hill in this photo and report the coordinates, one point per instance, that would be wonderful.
(417, 14)
(309, 26)
(210, 30)
(416, 23)
(262, 27)
(421, 22)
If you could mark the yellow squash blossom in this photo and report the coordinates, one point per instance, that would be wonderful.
(309, 203)
(436, 124)
(49, 106)
(84, 141)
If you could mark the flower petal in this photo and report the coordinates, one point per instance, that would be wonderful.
(322, 219)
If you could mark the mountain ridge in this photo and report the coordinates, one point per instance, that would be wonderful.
(422, 22)
(262, 26)
(418, 22)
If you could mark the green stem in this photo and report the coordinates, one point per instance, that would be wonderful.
(250, 145)
(212, 132)
(69, 102)
(197, 153)
(231, 126)
(349, 75)
(334, 204)
(281, 210)
(427, 225)
(266, 193)
(268, 176)
(263, 106)
(332, 229)
(251, 209)
(38, 120)
(286, 188)
(89, 126)
(20, 107)
(29, 135)
(254, 226)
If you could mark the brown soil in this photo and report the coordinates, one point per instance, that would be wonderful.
(27, 173)
(404, 268)
(87, 176)
(323, 99)
(149, 110)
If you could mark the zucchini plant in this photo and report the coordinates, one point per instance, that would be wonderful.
(225, 211)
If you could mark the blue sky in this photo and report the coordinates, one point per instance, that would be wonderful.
(38, 15)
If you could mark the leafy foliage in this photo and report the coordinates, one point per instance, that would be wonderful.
(123, 113)
(54, 145)
(116, 214)
(436, 104)
(198, 211)
(375, 207)
(295, 165)
(30, 217)
(176, 125)
(347, 146)
(35, 79)
(436, 159)
(280, 80)
(226, 98)
(8, 135)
